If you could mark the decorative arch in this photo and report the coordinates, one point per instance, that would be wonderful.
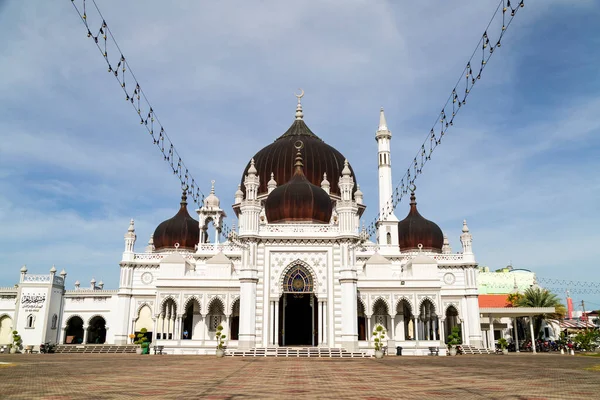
(6, 328)
(143, 320)
(189, 300)
(407, 301)
(235, 298)
(235, 319)
(74, 332)
(141, 305)
(361, 312)
(453, 305)
(70, 317)
(430, 300)
(380, 299)
(304, 265)
(96, 316)
(212, 301)
(167, 298)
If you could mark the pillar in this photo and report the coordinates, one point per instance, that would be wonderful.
(277, 329)
(320, 319)
(492, 342)
(402, 327)
(442, 327)
(248, 281)
(532, 334)
(324, 314)
(348, 281)
(516, 335)
(369, 333)
(85, 334)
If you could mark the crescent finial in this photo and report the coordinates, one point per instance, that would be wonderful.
(299, 96)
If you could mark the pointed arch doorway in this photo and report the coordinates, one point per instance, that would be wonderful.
(298, 311)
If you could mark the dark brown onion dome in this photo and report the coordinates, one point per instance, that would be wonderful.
(298, 200)
(278, 158)
(182, 229)
(414, 230)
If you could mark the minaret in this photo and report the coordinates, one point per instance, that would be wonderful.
(130, 237)
(466, 239)
(387, 233)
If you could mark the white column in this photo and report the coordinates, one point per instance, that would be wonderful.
(442, 328)
(416, 326)
(248, 281)
(325, 335)
(393, 327)
(348, 281)
(85, 334)
(492, 344)
(320, 319)
(271, 322)
(277, 329)
(474, 325)
(154, 329)
(202, 325)
(402, 327)
(369, 333)
(516, 337)
(532, 333)
(312, 320)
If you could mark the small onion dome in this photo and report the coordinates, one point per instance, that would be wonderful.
(414, 230)
(182, 229)
(212, 201)
(239, 195)
(298, 200)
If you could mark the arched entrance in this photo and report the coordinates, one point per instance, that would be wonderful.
(74, 331)
(6, 327)
(362, 320)
(451, 321)
(190, 320)
(235, 321)
(298, 309)
(97, 331)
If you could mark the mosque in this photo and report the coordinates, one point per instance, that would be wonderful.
(297, 271)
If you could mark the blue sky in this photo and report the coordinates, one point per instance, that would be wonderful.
(520, 163)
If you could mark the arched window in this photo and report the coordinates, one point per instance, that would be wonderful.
(215, 315)
(389, 238)
(30, 321)
(54, 321)
(428, 321)
(298, 280)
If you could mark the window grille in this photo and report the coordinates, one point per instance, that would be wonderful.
(298, 280)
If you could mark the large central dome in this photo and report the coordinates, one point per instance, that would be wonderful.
(278, 158)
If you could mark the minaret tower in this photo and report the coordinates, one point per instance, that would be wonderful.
(387, 225)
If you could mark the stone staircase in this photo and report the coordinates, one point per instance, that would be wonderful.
(317, 352)
(94, 349)
(474, 350)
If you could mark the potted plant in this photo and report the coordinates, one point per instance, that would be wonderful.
(17, 343)
(454, 340)
(378, 337)
(220, 341)
(142, 340)
(503, 345)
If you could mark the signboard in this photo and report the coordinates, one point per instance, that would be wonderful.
(33, 301)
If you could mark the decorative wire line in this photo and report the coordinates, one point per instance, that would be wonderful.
(443, 121)
(136, 96)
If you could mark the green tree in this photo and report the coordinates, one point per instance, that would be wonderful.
(538, 297)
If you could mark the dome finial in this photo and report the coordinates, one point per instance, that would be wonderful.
(299, 162)
(382, 121)
(184, 189)
(413, 199)
(212, 186)
(299, 113)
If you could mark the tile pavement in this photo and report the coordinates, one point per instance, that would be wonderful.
(130, 376)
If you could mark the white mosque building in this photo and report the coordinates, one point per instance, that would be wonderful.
(297, 271)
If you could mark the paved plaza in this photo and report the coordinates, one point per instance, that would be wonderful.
(77, 376)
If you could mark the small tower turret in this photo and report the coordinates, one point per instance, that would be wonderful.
(466, 239)
(211, 212)
(130, 237)
(272, 184)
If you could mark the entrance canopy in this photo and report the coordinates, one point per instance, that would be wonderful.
(515, 311)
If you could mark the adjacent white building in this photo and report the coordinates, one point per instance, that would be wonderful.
(297, 271)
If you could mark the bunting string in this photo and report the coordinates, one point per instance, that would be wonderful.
(489, 42)
(118, 66)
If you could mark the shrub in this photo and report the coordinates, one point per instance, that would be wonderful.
(378, 336)
(220, 337)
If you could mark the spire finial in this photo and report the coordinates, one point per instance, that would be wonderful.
(413, 199)
(252, 170)
(184, 189)
(465, 228)
(299, 162)
(131, 226)
(299, 113)
(382, 122)
(212, 186)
